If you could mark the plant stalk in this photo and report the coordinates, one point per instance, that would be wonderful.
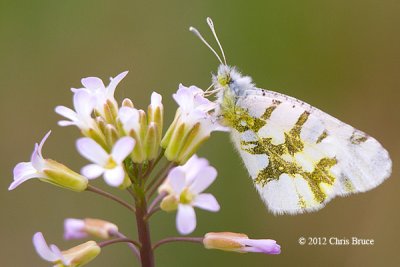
(146, 251)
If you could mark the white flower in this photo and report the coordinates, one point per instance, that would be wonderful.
(74, 257)
(47, 170)
(184, 186)
(193, 124)
(82, 116)
(102, 94)
(108, 164)
(192, 103)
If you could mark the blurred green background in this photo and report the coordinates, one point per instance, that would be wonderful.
(341, 56)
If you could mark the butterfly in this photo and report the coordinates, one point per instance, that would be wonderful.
(298, 156)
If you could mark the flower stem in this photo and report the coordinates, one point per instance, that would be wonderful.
(178, 239)
(133, 246)
(146, 252)
(98, 191)
(118, 240)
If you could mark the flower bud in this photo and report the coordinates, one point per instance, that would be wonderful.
(169, 203)
(111, 135)
(77, 229)
(127, 103)
(101, 123)
(241, 243)
(132, 121)
(142, 124)
(152, 141)
(156, 112)
(110, 111)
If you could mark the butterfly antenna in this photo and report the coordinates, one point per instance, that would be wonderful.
(197, 33)
(211, 25)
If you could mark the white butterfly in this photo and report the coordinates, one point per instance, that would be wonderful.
(298, 156)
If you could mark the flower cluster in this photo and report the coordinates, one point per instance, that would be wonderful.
(125, 144)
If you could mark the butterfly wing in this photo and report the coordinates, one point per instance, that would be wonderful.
(300, 157)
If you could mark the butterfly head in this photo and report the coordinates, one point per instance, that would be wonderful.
(230, 79)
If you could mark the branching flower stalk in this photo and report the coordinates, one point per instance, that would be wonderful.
(126, 146)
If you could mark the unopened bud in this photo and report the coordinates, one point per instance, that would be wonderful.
(142, 123)
(241, 243)
(100, 228)
(78, 229)
(127, 103)
(152, 141)
(156, 112)
(169, 203)
(111, 135)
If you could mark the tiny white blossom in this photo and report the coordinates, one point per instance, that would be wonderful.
(47, 170)
(102, 93)
(184, 186)
(193, 124)
(103, 163)
(82, 115)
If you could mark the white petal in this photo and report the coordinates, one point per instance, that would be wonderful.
(185, 219)
(203, 179)
(23, 172)
(43, 249)
(184, 98)
(43, 141)
(193, 166)
(37, 160)
(177, 180)
(66, 123)
(16, 183)
(83, 103)
(114, 82)
(23, 169)
(92, 83)
(129, 118)
(92, 151)
(122, 148)
(206, 202)
(66, 112)
(92, 171)
(114, 177)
